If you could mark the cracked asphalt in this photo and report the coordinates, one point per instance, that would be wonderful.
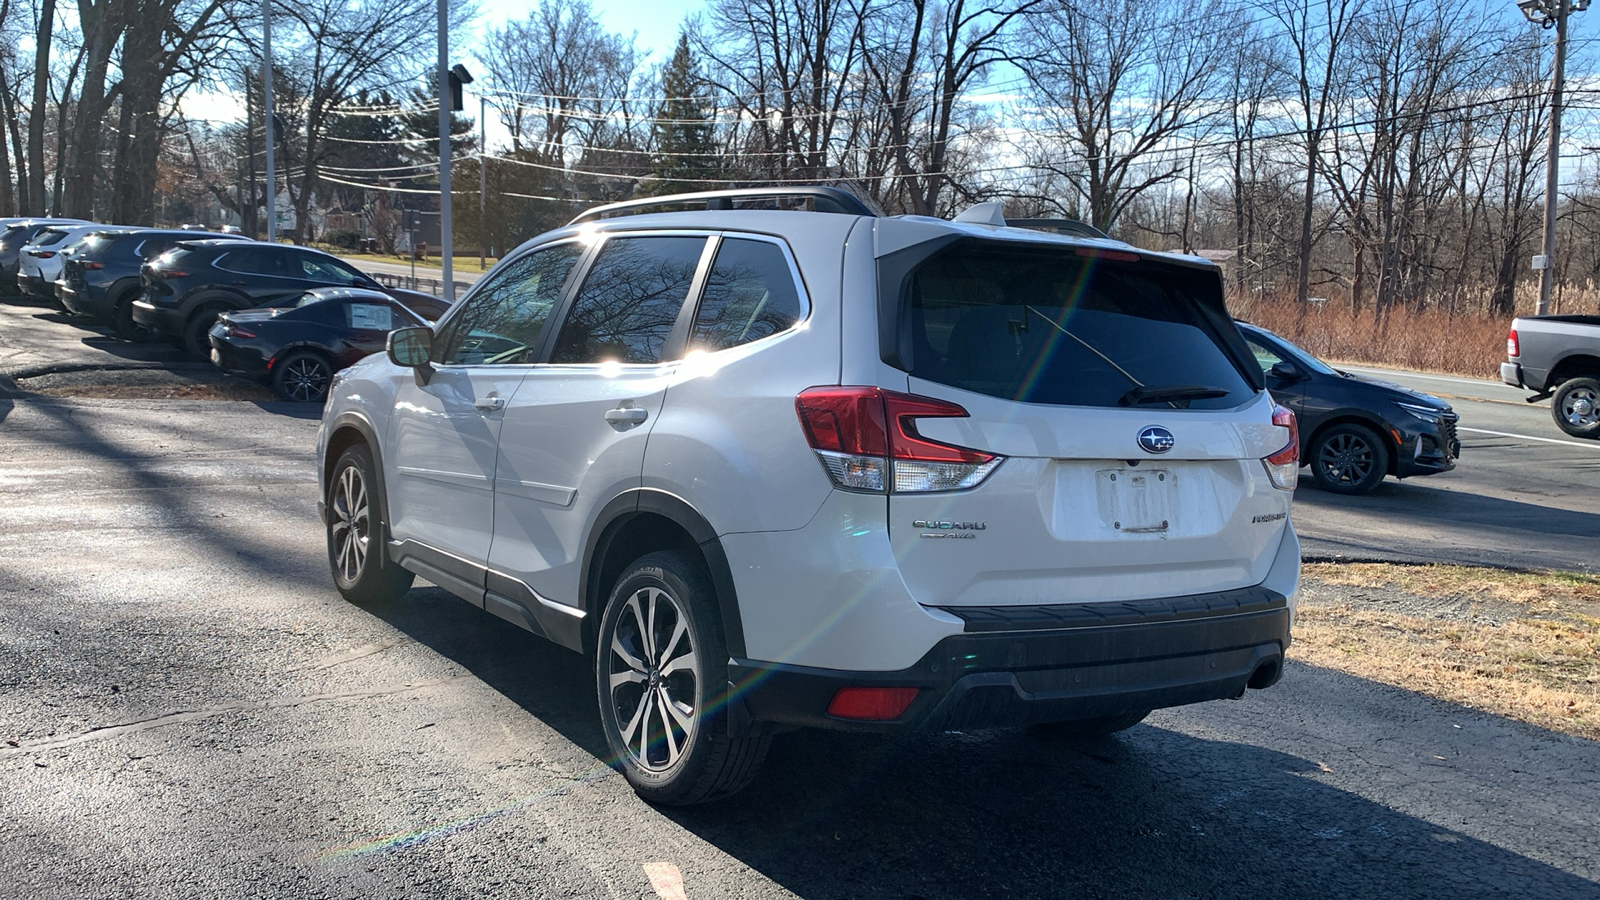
(189, 709)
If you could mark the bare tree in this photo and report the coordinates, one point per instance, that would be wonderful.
(1116, 86)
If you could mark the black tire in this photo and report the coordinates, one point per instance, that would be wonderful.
(660, 648)
(357, 534)
(122, 323)
(302, 377)
(1576, 407)
(1348, 459)
(1086, 729)
(194, 339)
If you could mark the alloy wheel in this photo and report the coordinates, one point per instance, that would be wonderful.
(1346, 458)
(352, 524)
(305, 379)
(653, 679)
(1581, 408)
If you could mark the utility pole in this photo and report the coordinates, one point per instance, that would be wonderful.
(445, 247)
(1545, 14)
(483, 181)
(266, 101)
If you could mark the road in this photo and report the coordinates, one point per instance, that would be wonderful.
(1523, 495)
(188, 709)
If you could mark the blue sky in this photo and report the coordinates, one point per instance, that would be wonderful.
(655, 22)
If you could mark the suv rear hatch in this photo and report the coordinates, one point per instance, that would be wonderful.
(1129, 420)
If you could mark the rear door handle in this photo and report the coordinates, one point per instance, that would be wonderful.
(627, 415)
(490, 403)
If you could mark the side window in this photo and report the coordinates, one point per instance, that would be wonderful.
(503, 322)
(369, 316)
(325, 270)
(253, 262)
(629, 301)
(750, 294)
(1265, 358)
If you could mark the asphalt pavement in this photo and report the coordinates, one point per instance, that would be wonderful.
(189, 709)
(1523, 495)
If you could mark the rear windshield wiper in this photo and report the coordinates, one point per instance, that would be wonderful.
(1168, 393)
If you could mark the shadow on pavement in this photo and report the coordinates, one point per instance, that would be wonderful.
(1424, 508)
(1149, 813)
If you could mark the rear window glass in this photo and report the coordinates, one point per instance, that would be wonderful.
(1048, 327)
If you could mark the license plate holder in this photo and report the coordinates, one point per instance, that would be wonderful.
(1136, 501)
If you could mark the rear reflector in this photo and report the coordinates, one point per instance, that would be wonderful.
(874, 704)
(1283, 467)
(858, 432)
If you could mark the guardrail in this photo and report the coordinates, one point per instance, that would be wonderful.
(434, 286)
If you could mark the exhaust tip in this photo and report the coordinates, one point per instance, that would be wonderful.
(1266, 674)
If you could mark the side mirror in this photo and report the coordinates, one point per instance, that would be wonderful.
(412, 348)
(1286, 370)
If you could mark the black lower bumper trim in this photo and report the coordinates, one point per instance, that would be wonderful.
(1001, 679)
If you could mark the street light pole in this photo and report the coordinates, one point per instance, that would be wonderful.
(483, 181)
(1547, 13)
(266, 102)
(445, 247)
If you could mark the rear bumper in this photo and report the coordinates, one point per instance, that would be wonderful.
(246, 361)
(1023, 666)
(163, 320)
(35, 286)
(1511, 373)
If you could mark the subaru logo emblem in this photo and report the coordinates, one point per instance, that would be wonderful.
(1155, 439)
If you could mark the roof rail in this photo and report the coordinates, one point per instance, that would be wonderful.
(823, 199)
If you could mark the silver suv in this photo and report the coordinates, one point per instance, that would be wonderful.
(810, 466)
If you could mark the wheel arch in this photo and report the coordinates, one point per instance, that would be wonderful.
(1352, 417)
(345, 431)
(643, 521)
(1576, 365)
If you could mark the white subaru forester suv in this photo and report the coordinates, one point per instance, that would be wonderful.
(810, 466)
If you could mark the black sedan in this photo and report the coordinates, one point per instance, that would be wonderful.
(1354, 430)
(299, 348)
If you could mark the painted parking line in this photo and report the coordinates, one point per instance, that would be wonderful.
(1529, 437)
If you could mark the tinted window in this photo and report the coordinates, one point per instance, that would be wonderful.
(629, 301)
(317, 268)
(254, 262)
(11, 238)
(1046, 327)
(750, 294)
(1265, 358)
(503, 321)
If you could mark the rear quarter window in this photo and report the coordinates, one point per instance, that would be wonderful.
(1049, 326)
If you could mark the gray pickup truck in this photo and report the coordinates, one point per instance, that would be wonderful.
(1559, 357)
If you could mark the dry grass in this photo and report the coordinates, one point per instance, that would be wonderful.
(1537, 661)
(1560, 589)
(239, 390)
(1430, 341)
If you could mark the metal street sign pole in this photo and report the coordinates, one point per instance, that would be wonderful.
(1552, 180)
(266, 102)
(445, 247)
(483, 180)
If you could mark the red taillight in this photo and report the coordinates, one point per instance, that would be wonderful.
(1283, 467)
(41, 254)
(878, 704)
(844, 420)
(168, 273)
(92, 266)
(1512, 347)
(231, 330)
(858, 432)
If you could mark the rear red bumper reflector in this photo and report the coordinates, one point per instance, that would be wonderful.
(878, 704)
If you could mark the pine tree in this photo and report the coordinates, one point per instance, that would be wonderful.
(686, 153)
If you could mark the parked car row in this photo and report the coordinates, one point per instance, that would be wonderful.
(179, 284)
